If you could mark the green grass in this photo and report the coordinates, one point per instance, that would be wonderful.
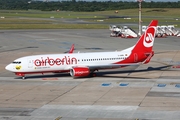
(34, 19)
(53, 26)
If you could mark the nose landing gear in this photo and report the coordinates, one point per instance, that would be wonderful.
(21, 74)
(23, 77)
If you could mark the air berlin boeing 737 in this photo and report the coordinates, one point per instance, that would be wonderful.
(85, 64)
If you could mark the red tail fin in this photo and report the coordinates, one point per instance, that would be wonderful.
(145, 43)
(142, 51)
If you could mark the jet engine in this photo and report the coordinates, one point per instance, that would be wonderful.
(79, 72)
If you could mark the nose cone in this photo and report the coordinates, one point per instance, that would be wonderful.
(8, 67)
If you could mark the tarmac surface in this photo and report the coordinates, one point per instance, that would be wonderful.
(150, 92)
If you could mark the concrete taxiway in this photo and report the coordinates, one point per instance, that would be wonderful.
(150, 92)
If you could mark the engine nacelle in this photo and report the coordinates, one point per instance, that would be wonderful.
(79, 72)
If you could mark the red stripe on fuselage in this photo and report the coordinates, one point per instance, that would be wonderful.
(57, 71)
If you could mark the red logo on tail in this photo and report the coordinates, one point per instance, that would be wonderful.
(149, 37)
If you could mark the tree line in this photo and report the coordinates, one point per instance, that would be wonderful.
(80, 5)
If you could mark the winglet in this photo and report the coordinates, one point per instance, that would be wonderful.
(71, 49)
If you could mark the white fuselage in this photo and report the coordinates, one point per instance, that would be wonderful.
(62, 62)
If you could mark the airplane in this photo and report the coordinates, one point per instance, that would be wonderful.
(85, 64)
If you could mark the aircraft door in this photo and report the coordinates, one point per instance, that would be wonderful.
(135, 57)
(30, 63)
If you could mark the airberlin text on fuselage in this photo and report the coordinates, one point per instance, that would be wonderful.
(48, 61)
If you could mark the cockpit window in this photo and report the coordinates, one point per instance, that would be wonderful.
(16, 62)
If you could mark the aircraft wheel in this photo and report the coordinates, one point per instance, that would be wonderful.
(23, 77)
(93, 75)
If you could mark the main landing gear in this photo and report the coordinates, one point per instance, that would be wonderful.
(92, 74)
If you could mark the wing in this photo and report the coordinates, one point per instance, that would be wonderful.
(110, 66)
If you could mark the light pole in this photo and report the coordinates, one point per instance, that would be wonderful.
(140, 28)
